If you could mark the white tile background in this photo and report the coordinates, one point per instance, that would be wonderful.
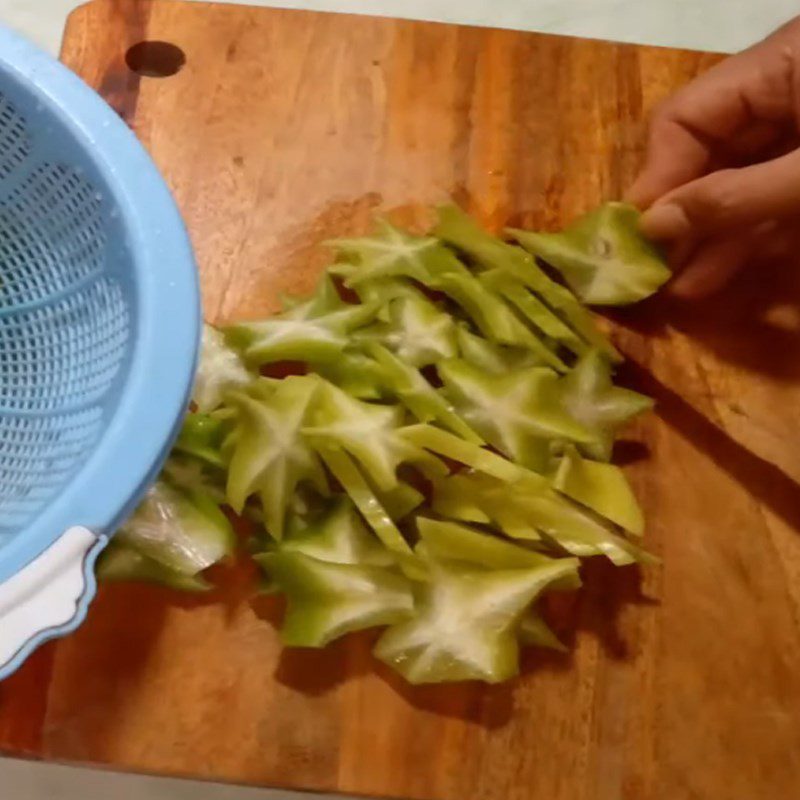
(724, 25)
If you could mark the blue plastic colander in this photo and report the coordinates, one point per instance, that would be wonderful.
(99, 328)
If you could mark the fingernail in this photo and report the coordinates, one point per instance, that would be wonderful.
(665, 221)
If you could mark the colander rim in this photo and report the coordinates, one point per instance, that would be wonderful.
(141, 430)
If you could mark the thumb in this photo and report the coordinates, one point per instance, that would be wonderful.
(727, 200)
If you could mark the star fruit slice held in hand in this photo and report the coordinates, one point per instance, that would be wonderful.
(602, 256)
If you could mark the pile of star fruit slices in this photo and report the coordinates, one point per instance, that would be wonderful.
(443, 462)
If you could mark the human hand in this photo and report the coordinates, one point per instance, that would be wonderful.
(721, 180)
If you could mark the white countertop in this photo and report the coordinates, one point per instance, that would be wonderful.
(722, 25)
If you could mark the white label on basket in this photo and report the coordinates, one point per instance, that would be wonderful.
(46, 594)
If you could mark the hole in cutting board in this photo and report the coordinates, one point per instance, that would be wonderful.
(153, 59)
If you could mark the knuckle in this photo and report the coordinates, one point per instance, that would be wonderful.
(663, 111)
(718, 197)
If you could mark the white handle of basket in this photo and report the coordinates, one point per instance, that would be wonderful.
(48, 597)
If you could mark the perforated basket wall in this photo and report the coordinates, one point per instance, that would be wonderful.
(66, 311)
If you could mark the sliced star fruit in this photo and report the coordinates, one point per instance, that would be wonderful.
(339, 536)
(383, 503)
(603, 257)
(183, 531)
(495, 319)
(121, 563)
(424, 402)
(453, 541)
(603, 488)
(465, 622)
(494, 359)
(370, 432)
(271, 457)
(518, 413)
(392, 253)
(462, 232)
(418, 332)
(220, 369)
(327, 600)
(201, 437)
(355, 373)
(357, 487)
(538, 515)
(534, 310)
(312, 332)
(535, 632)
(589, 395)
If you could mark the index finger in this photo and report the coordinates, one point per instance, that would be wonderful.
(750, 92)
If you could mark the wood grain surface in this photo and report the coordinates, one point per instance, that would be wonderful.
(683, 681)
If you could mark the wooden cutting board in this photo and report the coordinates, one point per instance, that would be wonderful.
(285, 128)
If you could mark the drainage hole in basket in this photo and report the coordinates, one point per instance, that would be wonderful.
(153, 59)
